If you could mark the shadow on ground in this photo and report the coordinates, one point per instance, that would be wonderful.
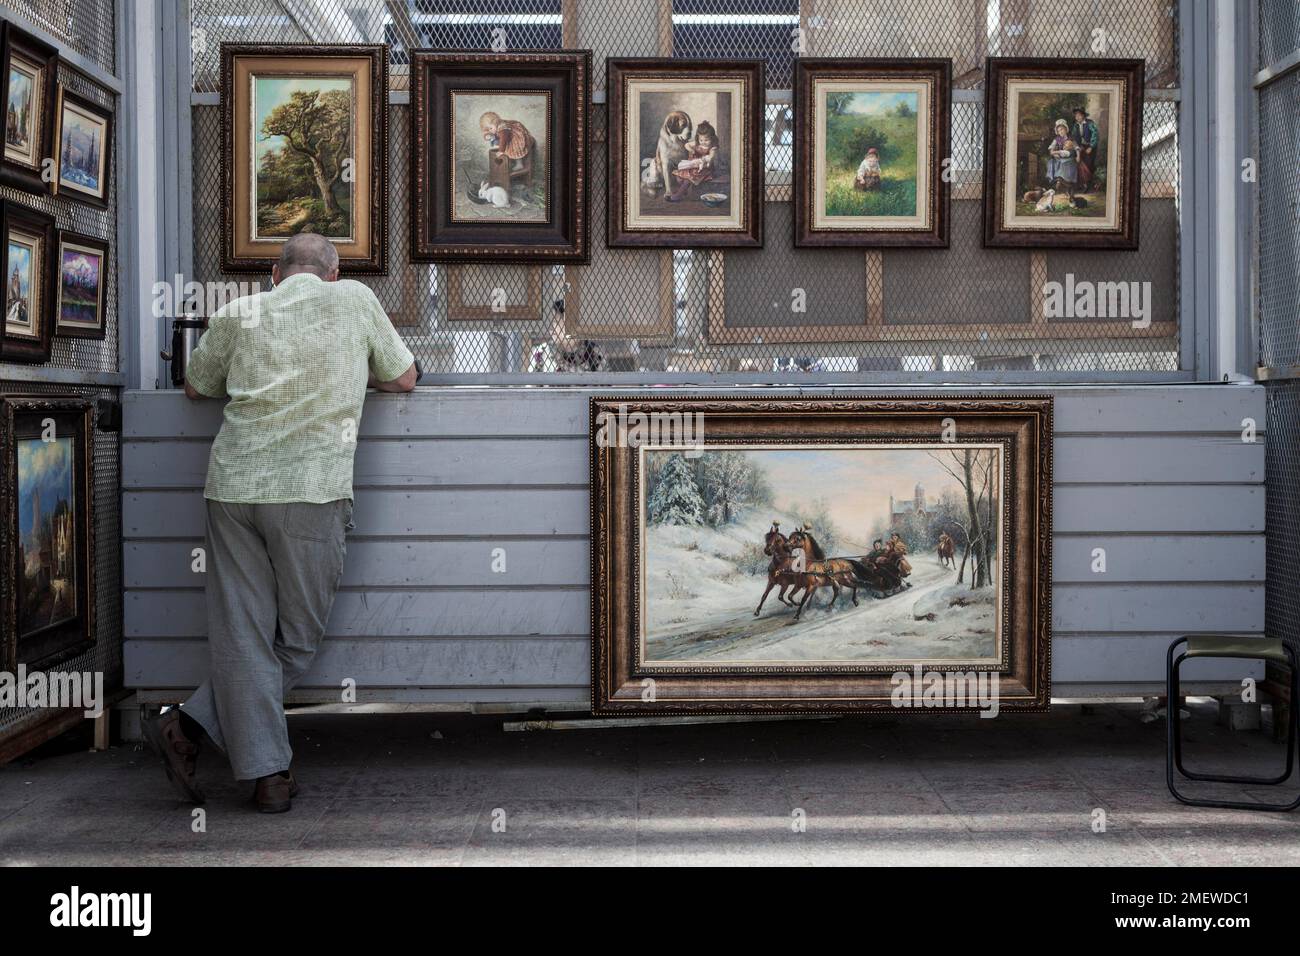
(438, 789)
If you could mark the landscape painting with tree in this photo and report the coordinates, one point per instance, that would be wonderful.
(893, 554)
(304, 151)
(304, 143)
(800, 555)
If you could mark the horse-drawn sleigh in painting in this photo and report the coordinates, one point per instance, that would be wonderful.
(799, 564)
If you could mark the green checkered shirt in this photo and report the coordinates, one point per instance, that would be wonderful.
(294, 362)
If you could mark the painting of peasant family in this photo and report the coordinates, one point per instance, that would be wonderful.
(876, 554)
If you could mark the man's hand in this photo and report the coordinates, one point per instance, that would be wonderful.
(403, 383)
(192, 393)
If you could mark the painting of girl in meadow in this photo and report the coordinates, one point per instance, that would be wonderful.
(870, 141)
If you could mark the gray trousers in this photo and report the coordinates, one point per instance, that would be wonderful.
(272, 572)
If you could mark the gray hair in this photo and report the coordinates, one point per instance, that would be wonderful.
(308, 252)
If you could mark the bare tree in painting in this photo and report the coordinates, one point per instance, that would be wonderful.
(973, 470)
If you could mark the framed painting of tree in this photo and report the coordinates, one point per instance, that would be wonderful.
(304, 150)
(783, 555)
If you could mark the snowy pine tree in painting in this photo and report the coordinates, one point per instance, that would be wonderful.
(728, 483)
(676, 499)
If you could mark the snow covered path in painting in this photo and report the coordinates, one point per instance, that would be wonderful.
(700, 607)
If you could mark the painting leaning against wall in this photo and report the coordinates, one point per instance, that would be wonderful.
(46, 529)
(842, 553)
(805, 555)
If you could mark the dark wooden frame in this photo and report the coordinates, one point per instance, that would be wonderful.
(76, 192)
(1125, 170)
(434, 236)
(806, 73)
(376, 263)
(12, 38)
(752, 168)
(71, 638)
(56, 267)
(1022, 424)
(19, 350)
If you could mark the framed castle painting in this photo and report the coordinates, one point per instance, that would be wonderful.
(686, 161)
(28, 81)
(304, 150)
(1063, 153)
(26, 250)
(47, 528)
(765, 554)
(499, 156)
(871, 140)
(83, 149)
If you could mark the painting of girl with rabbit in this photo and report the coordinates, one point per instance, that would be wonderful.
(499, 156)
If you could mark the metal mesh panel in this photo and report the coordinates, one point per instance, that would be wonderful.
(1279, 29)
(86, 26)
(650, 310)
(1279, 227)
(1282, 461)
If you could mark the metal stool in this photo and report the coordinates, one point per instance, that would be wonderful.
(1214, 645)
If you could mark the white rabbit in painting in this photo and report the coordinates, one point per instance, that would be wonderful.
(496, 195)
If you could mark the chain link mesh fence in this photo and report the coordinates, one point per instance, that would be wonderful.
(85, 26)
(88, 27)
(650, 310)
(1278, 296)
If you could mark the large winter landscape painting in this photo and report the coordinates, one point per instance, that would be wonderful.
(837, 554)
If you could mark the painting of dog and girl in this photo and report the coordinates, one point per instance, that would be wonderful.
(835, 554)
(682, 155)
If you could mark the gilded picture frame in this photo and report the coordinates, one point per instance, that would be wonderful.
(304, 146)
(672, 626)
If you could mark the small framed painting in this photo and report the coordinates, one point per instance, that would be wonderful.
(686, 161)
(81, 292)
(29, 74)
(83, 149)
(1062, 147)
(304, 150)
(28, 241)
(499, 171)
(872, 137)
(728, 579)
(47, 530)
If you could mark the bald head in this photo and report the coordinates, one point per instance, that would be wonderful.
(308, 252)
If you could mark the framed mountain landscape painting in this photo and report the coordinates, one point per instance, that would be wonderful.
(871, 140)
(81, 286)
(861, 554)
(304, 150)
(1063, 153)
(83, 149)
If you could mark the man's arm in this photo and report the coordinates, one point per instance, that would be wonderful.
(403, 383)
